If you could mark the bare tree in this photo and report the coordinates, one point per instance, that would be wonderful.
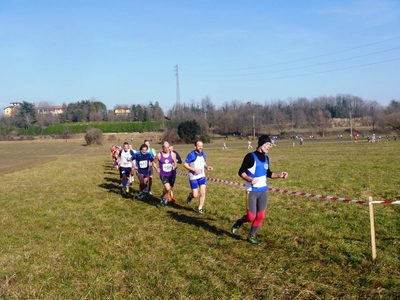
(322, 120)
(95, 116)
(280, 120)
(375, 112)
(225, 124)
(393, 121)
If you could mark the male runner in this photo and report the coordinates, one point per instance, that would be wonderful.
(196, 163)
(166, 164)
(153, 153)
(125, 167)
(143, 161)
(173, 176)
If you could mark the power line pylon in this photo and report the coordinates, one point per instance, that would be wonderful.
(178, 98)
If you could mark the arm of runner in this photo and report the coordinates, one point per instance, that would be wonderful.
(178, 158)
(175, 160)
(246, 177)
(193, 170)
(187, 167)
(280, 175)
(155, 163)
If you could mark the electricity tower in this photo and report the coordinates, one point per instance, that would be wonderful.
(178, 98)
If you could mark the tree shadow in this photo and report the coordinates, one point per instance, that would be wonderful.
(201, 222)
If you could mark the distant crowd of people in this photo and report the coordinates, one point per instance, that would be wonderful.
(372, 139)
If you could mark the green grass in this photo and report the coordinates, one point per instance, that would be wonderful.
(66, 232)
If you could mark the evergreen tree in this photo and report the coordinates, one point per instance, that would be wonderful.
(189, 130)
(27, 115)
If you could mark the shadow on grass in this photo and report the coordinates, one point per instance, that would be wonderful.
(109, 173)
(112, 185)
(178, 206)
(150, 200)
(201, 223)
(114, 180)
(111, 188)
(155, 201)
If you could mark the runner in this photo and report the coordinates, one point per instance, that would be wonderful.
(255, 170)
(173, 175)
(166, 164)
(125, 167)
(115, 151)
(153, 153)
(112, 150)
(143, 161)
(132, 175)
(196, 163)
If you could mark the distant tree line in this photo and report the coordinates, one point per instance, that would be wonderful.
(26, 116)
(234, 117)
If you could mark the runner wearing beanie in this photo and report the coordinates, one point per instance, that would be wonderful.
(255, 170)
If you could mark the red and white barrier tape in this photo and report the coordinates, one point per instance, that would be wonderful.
(299, 193)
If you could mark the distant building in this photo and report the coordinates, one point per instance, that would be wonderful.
(49, 110)
(41, 110)
(10, 110)
(121, 111)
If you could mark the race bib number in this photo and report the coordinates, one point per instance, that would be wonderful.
(143, 164)
(167, 167)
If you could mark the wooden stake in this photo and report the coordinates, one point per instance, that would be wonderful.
(372, 224)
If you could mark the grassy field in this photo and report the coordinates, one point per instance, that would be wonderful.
(68, 233)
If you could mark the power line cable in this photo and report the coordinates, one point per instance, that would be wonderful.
(306, 74)
(299, 60)
(320, 41)
(308, 66)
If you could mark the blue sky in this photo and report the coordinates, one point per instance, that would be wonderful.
(125, 52)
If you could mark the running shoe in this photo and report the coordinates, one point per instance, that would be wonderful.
(150, 193)
(236, 226)
(252, 240)
(189, 198)
(163, 201)
(140, 196)
(201, 211)
(127, 189)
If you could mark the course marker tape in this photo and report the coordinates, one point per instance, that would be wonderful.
(300, 193)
